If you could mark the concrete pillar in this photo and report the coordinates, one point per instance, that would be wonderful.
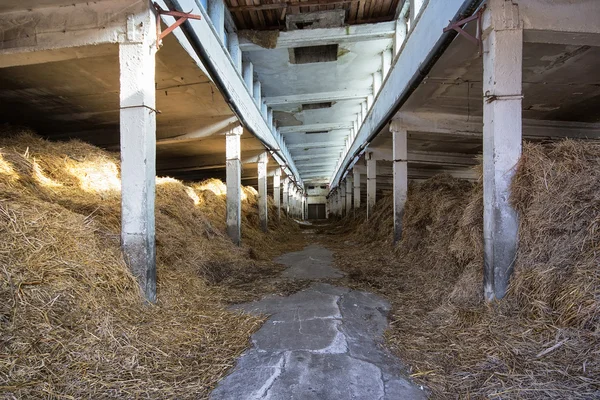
(276, 191)
(342, 189)
(286, 188)
(376, 82)
(400, 35)
(234, 50)
(138, 153)
(303, 208)
(415, 8)
(348, 194)
(265, 111)
(502, 135)
(256, 93)
(262, 191)
(356, 182)
(400, 156)
(386, 62)
(248, 74)
(233, 182)
(371, 184)
(216, 13)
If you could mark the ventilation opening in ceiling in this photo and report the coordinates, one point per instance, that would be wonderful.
(316, 106)
(314, 54)
(316, 132)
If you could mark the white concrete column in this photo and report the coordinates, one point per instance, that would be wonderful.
(276, 191)
(216, 13)
(386, 62)
(400, 36)
(349, 189)
(343, 198)
(286, 188)
(415, 8)
(356, 182)
(371, 184)
(248, 74)
(265, 111)
(376, 82)
(256, 93)
(233, 181)
(234, 50)
(400, 155)
(263, 158)
(138, 153)
(502, 135)
(303, 208)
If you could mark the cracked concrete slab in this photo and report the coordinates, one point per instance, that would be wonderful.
(325, 342)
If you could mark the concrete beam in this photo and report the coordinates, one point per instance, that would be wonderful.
(207, 44)
(472, 126)
(560, 22)
(316, 127)
(502, 136)
(221, 126)
(234, 50)
(324, 36)
(407, 66)
(262, 191)
(315, 144)
(317, 97)
(46, 34)
(234, 183)
(138, 152)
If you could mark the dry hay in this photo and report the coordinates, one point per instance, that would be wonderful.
(264, 39)
(72, 321)
(541, 341)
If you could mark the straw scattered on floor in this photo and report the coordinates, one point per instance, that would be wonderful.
(72, 321)
(542, 341)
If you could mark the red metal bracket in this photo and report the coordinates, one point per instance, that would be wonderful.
(458, 27)
(180, 18)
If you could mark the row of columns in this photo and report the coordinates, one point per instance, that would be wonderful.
(502, 137)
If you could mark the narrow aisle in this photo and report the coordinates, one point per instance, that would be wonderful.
(324, 342)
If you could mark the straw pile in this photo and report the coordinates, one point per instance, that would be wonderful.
(72, 321)
(542, 340)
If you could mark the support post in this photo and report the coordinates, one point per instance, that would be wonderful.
(257, 94)
(371, 184)
(234, 184)
(234, 50)
(356, 182)
(276, 191)
(400, 156)
(286, 199)
(342, 198)
(138, 153)
(502, 135)
(216, 13)
(262, 191)
(348, 194)
(248, 75)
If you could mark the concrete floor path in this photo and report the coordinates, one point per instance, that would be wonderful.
(322, 343)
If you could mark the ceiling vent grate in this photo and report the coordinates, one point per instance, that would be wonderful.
(314, 54)
(316, 106)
